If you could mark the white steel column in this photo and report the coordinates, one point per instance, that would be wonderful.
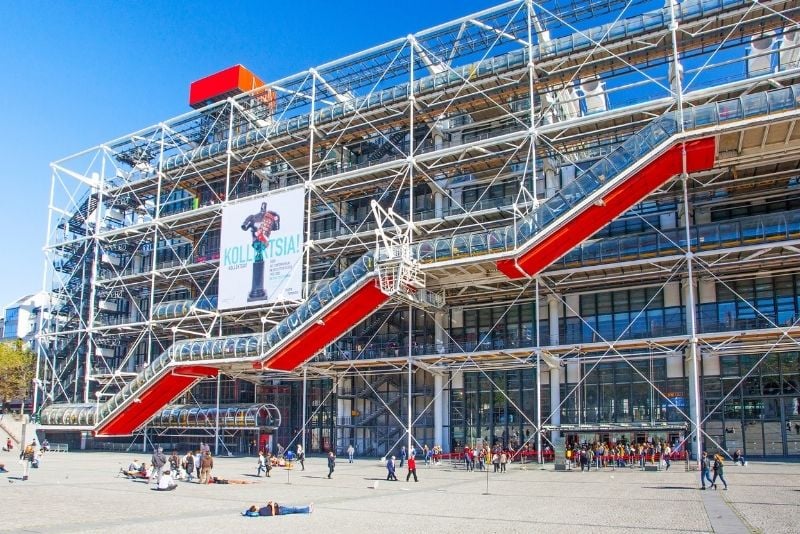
(694, 353)
(216, 420)
(411, 102)
(305, 405)
(312, 133)
(154, 222)
(87, 371)
(552, 318)
(228, 152)
(531, 112)
(439, 332)
(40, 337)
(555, 399)
(438, 408)
(538, 378)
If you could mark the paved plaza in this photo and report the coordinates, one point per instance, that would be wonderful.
(80, 492)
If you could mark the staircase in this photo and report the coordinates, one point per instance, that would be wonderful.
(387, 146)
(77, 223)
(380, 410)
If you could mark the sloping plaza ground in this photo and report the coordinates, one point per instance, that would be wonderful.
(80, 492)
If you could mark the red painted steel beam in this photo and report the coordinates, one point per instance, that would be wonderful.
(154, 398)
(700, 156)
(336, 322)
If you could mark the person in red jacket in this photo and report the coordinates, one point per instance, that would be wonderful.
(412, 469)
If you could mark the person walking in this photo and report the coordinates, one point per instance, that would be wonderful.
(206, 465)
(390, 469)
(666, 455)
(719, 467)
(585, 462)
(350, 452)
(705, 468)
(28, 454)
(496, 462)
(331, 463)
(403, 455)
(301, 457)
(412, 468)
(503, 461)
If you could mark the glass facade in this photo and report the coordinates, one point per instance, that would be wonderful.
(499, 407)
(754, 404)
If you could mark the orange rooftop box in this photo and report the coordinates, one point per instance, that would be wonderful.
(223, 84)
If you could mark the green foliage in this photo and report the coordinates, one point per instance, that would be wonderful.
(17, 370)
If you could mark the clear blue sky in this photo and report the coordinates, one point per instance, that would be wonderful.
(76, 74)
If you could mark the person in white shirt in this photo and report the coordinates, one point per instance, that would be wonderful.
(197, 464)
(166, 482)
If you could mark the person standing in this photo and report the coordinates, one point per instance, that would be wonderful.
(350, 452)
(412, 468)
(174, 462)
(262, 463)
(331, 463)
(403, 455)
(503, 461)
(667, 461)
(188, 465)
(718, 471)
(158, 461)
(301, 456)
(206, 465)
(198, 456)
(705, 468)
(390, 469)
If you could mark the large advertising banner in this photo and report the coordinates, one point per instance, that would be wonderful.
(261, 258)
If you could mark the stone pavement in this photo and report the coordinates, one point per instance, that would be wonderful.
(80, 492)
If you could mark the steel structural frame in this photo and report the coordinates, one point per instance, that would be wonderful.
(131, 171)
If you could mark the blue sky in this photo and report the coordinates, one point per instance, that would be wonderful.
(76, 74)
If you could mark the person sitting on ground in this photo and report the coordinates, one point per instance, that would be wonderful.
(135, 470)
(166, 482)
(9, 445)
(3, 468)
(273, 508)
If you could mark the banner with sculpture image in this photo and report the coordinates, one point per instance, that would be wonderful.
(261, 250)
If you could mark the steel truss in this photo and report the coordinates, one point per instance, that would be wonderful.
(462, 128)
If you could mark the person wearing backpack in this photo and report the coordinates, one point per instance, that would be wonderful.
(719, 467)
(28, 455)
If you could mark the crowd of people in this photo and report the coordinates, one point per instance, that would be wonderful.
(599, 455)
(163, 472)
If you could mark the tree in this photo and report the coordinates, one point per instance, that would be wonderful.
(17, 370)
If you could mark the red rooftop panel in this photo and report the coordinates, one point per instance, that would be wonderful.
(219, 86)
